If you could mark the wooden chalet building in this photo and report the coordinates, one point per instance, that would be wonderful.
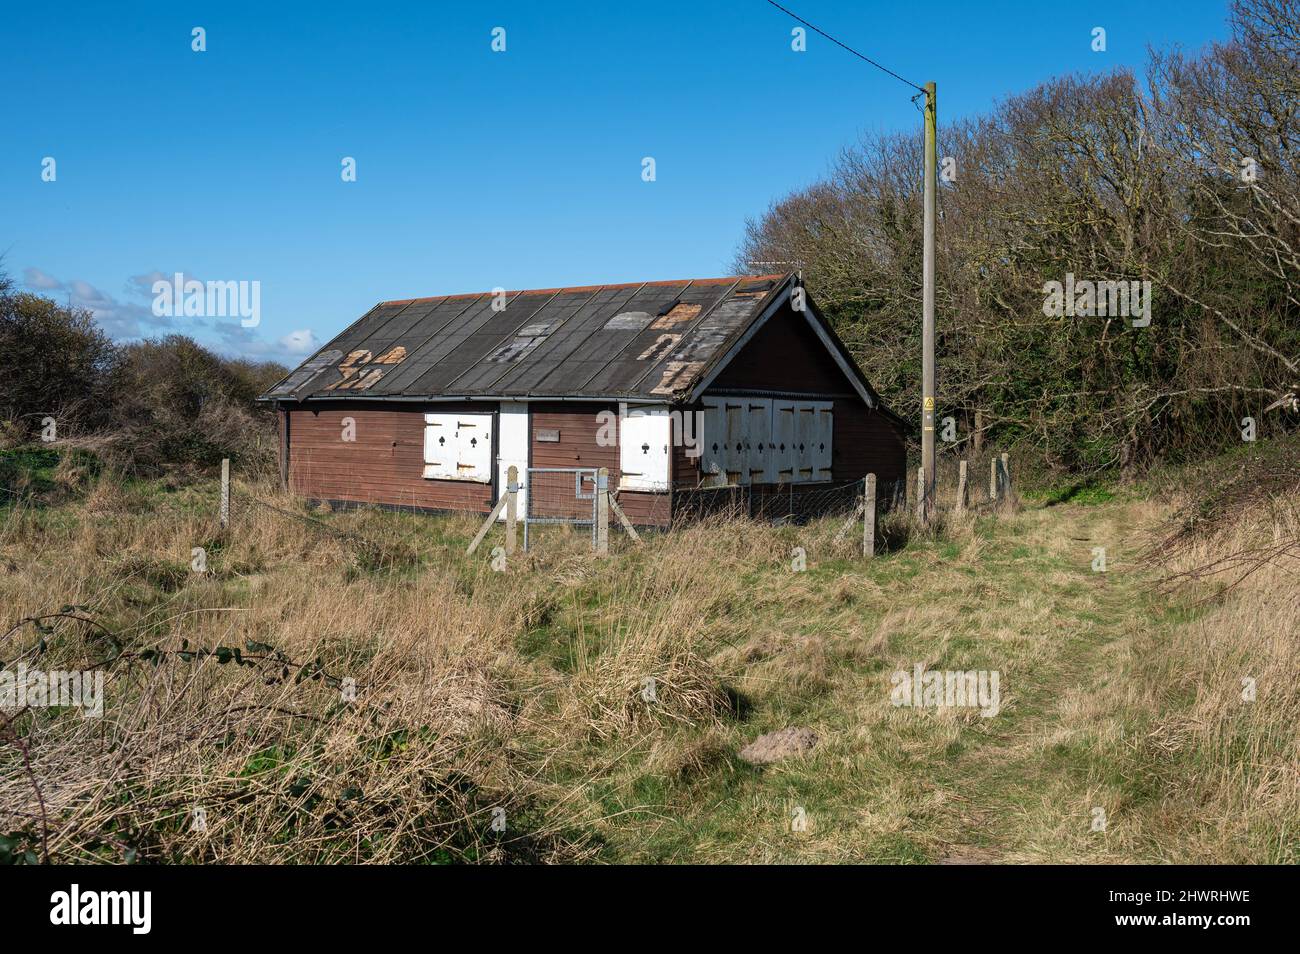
(723, 382)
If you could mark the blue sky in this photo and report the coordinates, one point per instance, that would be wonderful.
(475, 169)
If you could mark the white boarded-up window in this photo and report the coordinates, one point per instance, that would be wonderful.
(759, 457)
(765, 441)
(784, 417)
(439, 445)
(820, 450)
(644, 442)
(712, 438)
(458, 447)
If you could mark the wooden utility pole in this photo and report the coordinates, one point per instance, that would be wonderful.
(925, 506)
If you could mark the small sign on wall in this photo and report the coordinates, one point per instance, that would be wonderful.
(548, 437)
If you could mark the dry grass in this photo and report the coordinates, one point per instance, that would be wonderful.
(1234, 669)
(600, 703)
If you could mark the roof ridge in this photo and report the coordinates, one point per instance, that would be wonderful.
(721, 280)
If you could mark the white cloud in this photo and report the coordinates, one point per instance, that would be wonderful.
(299, 342)
(121, 320)
(87, 295)
(143, 284)
(132, 320)
(35, 278)
(128, 320)
(245, 343)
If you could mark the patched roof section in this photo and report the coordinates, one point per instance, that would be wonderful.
(648, 340)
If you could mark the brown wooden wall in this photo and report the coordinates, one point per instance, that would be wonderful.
(383, 466)
(579, 425)
(784, 355)
(386, 462)
(865, 442)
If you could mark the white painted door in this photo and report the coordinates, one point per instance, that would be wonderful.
(735, 460)
(513, 435)
(805, 433)
(644, 439)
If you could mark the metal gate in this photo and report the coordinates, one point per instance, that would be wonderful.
(560, 495)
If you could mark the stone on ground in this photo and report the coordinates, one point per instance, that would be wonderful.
(778, 745)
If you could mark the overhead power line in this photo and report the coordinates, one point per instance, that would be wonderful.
(845, 46)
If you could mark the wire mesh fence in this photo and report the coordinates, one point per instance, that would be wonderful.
(569, 498)
(559, 495)
(789, 503)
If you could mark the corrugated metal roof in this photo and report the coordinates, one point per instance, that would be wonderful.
(649, 341)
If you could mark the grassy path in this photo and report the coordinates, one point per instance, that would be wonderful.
(893, 784)
(1023, 789)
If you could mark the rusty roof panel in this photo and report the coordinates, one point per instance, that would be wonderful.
(647, 340)
(525, 347)
(475, 341)
(589, 316)
(421, 339)
(575, 372)
(432, 352)
(662, 335)
(707, 341)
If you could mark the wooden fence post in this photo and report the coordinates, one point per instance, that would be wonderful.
(993, 480)
(487, 524)
(225, 492)
(920, 494)
(869, 516)
(622, 518)
(512, 507)
(1006, 479)
(602, 511)
(961, 486)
